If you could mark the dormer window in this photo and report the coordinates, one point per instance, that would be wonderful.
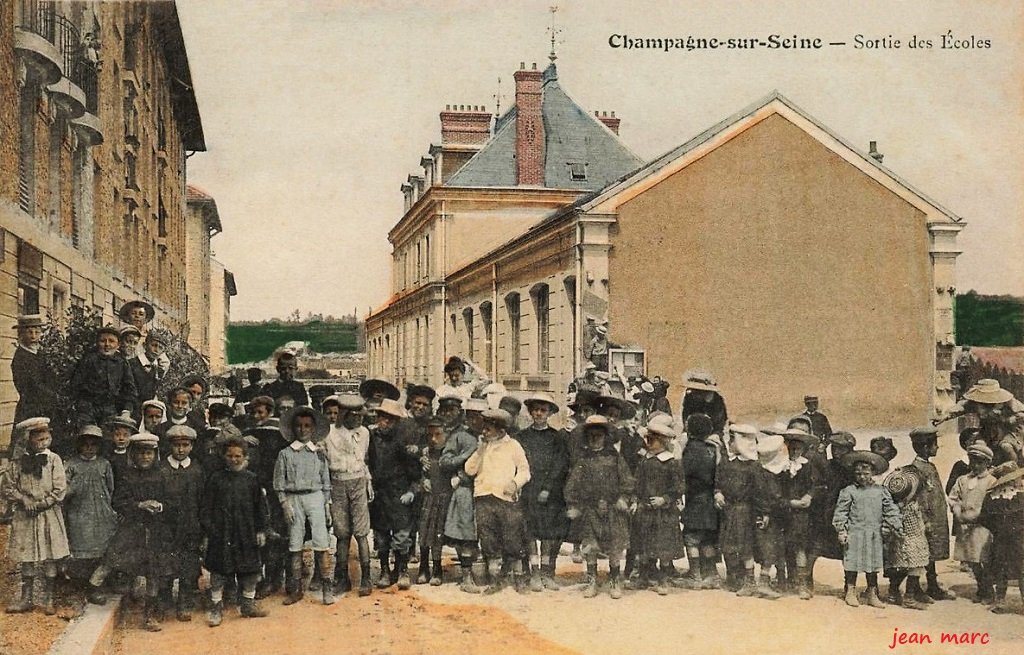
(577, 171)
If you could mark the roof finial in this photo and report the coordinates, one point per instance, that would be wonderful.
(554, 32)
(497, 100)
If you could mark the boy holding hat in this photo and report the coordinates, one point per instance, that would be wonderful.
(933, 506)
(36, 486)
(659, 490)
(346, 446)
(1003, 514)
(501, 470)
(973, 540)
(396, 475)
(102, 383)
(543, 497)
(864, 513)
(599, 492)
(184, 486)
(302, 482)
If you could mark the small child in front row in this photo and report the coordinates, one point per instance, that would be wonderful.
(437, 492)
(302, 482)
(36, 487)
(864, 512)
(120, 429)
(184, 479)
(598, 493)
(235, 519)
(659, 488)
(973, 540)
(88, 514)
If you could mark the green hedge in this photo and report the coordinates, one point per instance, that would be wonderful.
(256, 342)
(989, 320)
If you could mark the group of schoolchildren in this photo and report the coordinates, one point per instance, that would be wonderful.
(244, 496)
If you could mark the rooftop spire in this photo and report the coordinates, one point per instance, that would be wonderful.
(555, 31)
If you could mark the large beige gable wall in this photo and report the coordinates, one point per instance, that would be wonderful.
(784, 270)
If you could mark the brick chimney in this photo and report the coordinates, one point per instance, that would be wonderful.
(530, 141)
(465, 125)
(610, 122)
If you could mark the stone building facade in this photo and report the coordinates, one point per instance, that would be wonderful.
(94, 137)
(767, 250)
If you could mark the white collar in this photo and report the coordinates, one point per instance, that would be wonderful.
(176, 464)
(795, 465)
(298, 445)
(665, 456)
(121, 451)
(144, 360)
(179, 421)
(34, 351)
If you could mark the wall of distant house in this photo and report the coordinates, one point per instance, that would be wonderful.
(773, 260)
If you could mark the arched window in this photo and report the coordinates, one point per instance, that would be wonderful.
(541, 308)
(487, 321)
(513, 311)
(467, 320)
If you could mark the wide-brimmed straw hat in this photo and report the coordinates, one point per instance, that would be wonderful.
(877, 463)
(321, 426)
(392, 408)
(125, 312)
(796, 434)
(369, 388)
(1006, 473)
(988, 392)
(902, 483)
(542, 399)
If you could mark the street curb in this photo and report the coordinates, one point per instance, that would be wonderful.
(92, 633)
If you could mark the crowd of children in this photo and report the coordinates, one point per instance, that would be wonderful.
(159, 492)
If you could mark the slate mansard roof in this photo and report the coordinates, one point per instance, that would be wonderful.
(572, 135)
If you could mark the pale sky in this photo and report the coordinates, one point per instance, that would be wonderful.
(315, 111)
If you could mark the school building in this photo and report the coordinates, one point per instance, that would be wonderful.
(95, 132)
(767, 249)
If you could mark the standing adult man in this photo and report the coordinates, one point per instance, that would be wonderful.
(286, 384)
(32, 377)
(820, 426)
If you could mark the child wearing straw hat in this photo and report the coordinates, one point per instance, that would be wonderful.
(1002, 513)
(864, 513)
(906, 552)
(973, 540)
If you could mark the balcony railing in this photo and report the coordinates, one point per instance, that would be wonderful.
(88, 82)
(69, 42)
(39, 18)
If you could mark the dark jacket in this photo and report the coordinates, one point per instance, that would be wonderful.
(699, 464)
(140, 545)
(103, 386)
(233, 510)
(394, 471)
(35, 383)
(548, 456)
